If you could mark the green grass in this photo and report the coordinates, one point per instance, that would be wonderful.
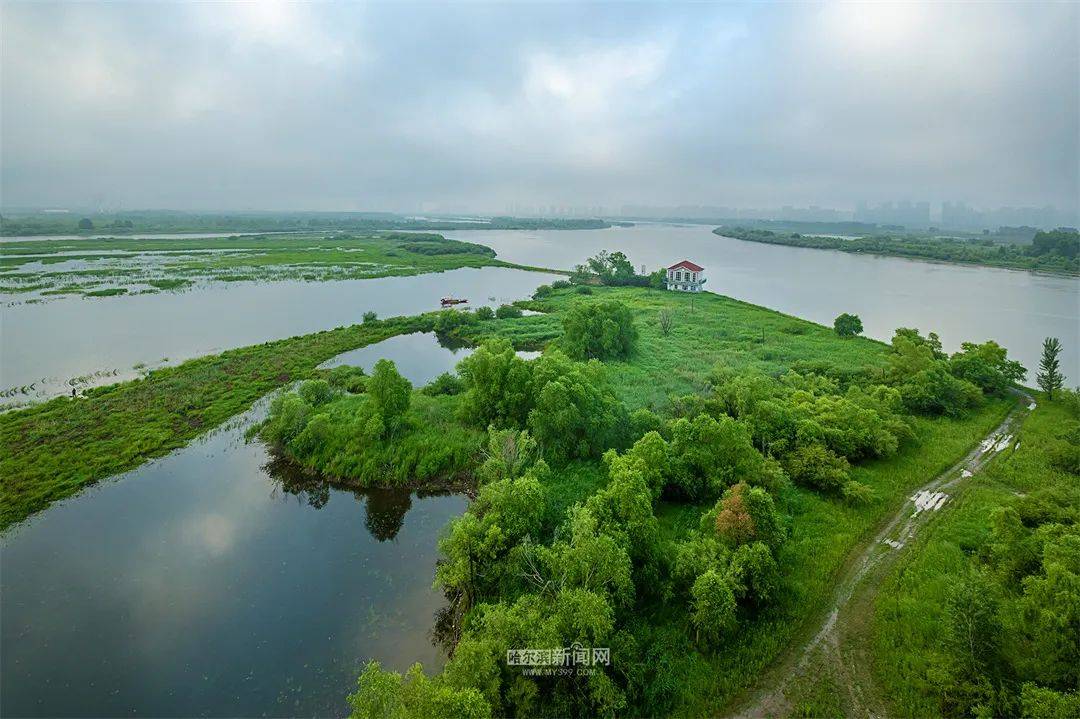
(706, 329)
(177, 262)
(909, 618)
(52, 450)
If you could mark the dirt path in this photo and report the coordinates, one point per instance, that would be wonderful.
(837, 656)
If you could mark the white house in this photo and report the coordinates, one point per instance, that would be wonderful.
(685, 277)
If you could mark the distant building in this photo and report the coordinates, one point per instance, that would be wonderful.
(685, 277)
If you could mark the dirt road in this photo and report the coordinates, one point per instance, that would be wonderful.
(838, 653)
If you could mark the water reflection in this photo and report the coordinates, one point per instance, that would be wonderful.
(188, 587)
(384, 508)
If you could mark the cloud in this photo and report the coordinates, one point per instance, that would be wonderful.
(281, 105)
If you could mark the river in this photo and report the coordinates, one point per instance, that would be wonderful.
(961, 303)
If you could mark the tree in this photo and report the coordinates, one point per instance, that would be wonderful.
(86, 224)
(497, 390)
(599, 330)
(370, 316)
(390, 391)
(484, 312)
(847, 325)
(816, 466)
(713, 606)
(1049, 377)
(665, 319)
(986, 366)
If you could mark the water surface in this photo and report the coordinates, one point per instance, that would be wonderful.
(217, 582)
(100, 340)
(961, 303)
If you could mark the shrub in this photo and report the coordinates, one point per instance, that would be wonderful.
(348, 379)
(560, 284)
(444, 384)
(542, 291)
(817, 467)
(370, 316)
(316, 392)
(507, 312)
(599, 330)
(484, 313)
(583, 290)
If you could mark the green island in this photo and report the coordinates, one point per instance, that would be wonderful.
(677, 479)
(116, 265)
(1056, 251)
(29, 224)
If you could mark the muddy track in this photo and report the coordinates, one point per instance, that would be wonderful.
(839, 650)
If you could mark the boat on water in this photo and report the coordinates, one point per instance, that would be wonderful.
(451, 301)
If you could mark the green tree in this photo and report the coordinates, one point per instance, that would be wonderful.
(816, 466)
(712, 607)
(599, 330)
(847, 325)
(986, 366)
(484, 312)
(390, 392)
(497, 386)
(387, 695)
(370, 317)
(1049, 377)
(86, 224)
(316, 392)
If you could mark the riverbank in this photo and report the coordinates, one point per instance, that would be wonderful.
(947, 250)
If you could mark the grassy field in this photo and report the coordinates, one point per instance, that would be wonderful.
(909, 619)
(101, 267)
(52, 450)
(706, 329)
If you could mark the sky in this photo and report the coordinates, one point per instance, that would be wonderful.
(480, 106)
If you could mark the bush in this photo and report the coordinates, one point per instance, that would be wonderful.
(348, 379)
(370, 316)
(817, 467)
(316, 392)
(560, 284)
(448, 322)
(713, 607)
(542, 291)
(848, 325)
(484, 313)
(444, 384)
(583, 290)
(599, 330)
(507, 312)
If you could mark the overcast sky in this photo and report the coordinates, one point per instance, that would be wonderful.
(392, 106)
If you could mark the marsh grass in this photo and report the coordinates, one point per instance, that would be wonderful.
(52, 450)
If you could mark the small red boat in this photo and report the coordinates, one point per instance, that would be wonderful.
(450, 302)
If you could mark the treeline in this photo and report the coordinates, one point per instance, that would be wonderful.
(1053, 251)
(131, 223)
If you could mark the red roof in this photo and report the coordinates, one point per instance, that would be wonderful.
(687, 265)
